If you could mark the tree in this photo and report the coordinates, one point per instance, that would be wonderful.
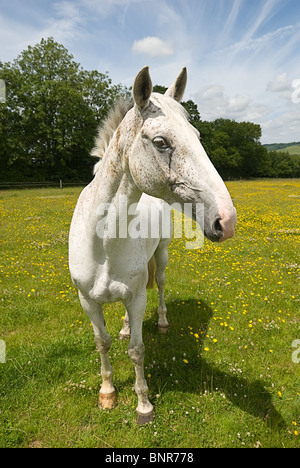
(159, 89)
(11, 130)
(284, 164)
(226, 158)
(53, 108)
(246, 157)
(193, 112)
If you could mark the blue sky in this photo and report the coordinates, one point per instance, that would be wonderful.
(243, 56)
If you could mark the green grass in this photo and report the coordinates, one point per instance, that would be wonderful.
(294, 149)
(291, 148)
(222, 377)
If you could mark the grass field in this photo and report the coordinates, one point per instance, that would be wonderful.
(295, 149)
(226, 374)
(290, 148)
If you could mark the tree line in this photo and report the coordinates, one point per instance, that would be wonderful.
(53, 107)
(50, 116)
(236, 151)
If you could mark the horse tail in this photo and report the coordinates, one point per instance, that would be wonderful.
(151, 273)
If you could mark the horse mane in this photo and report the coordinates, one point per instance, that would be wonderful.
(107, 129)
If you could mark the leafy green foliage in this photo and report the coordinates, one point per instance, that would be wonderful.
(52, 110)
(53, 107)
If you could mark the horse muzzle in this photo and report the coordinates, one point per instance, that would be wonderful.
(223, 227)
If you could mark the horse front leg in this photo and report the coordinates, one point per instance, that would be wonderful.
(136, 350)
(107, 395)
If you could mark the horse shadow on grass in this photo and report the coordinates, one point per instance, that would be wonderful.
(179, 345)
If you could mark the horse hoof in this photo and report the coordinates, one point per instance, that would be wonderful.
(163, 329)
(143, 419)
(108, 401)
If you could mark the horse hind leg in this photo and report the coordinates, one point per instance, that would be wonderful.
(125, 331)
(161, 260)
(107, 395)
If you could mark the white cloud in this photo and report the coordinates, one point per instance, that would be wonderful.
(280, 84)
(285, 88)
(238, 103)
(153, 47)
(283, 128)
(279, 124)
(214, 103)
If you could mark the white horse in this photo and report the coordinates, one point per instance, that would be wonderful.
(147, 149)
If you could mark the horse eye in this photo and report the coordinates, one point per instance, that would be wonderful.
(161, 143)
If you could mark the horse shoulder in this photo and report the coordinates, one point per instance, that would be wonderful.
(86, 251)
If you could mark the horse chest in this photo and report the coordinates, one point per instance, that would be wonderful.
(107, 290)
(113, 282)
(114, 278)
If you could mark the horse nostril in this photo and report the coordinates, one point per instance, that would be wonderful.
(218, 228)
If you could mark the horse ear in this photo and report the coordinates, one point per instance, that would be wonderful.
(176, 91)
(142, 88)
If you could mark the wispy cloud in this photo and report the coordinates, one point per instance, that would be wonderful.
(105, 7)
(259, 44)
(230, 23)
(67, 21)
(269, 8)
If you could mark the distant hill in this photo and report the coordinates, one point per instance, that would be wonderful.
(291, 148)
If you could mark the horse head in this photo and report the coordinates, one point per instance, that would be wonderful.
(167, 160)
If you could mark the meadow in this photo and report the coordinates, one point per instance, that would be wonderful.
(226, 374)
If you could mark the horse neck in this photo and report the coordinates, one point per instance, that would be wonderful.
(113, 180)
